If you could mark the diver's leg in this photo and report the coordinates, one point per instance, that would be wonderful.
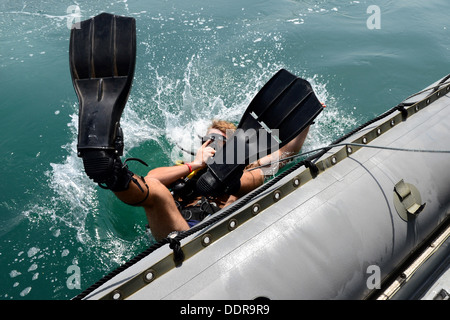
(136, 194)
(289, 149)
(295, 144)
(162, 214)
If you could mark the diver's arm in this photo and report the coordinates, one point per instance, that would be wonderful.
(168, 175)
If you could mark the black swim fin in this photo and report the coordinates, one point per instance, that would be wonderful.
(102, 58)
(280, 111)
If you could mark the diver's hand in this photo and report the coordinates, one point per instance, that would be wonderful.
(203, 154)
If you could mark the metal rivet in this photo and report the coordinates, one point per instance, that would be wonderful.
(296, 182)
(349, 150)
(364, 140)
(255, 209)
(149, 275)
(232, 224)
(333, 160)
(277, 195)
(378, 131)
(206, 240)
(116, 295)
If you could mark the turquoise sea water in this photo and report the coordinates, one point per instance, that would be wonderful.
(196, 60)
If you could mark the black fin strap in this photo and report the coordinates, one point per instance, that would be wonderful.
(135, 159)
(134, 180)
(138, 184)
(121, 176)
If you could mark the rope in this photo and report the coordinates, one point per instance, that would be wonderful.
(392, 148)
(348, 144)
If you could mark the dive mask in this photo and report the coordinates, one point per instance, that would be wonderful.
(217, 140)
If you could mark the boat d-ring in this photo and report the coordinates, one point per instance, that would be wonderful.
(407, 200)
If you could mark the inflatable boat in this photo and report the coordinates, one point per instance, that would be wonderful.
(366, 217)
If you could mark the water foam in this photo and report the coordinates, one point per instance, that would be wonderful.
(203, 98)
(75, 195)
(332, 123)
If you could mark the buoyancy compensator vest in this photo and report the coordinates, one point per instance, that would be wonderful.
(192, 205)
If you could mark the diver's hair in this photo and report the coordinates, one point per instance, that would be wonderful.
(222, 125)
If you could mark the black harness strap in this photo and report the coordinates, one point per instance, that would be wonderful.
(199, 211)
